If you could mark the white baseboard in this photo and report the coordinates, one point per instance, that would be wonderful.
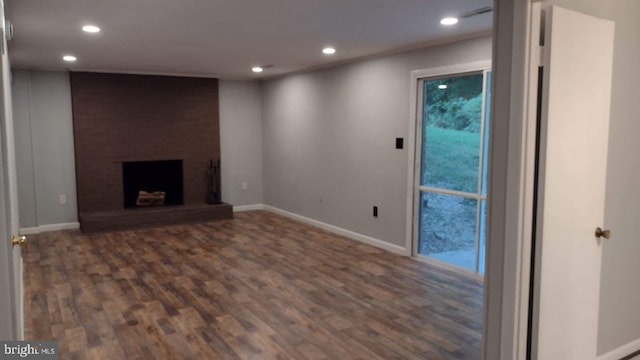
(241, 208)
(622, 351)
(49, 227)
(340, 231)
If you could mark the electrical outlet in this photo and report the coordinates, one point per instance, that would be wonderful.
(62, 199)
(245, 186)
(375, 211)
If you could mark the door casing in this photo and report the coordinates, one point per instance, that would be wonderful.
(414, 142)
(415, 145)
(10, 187)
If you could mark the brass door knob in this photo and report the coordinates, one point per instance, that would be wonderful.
(18, 240)
(603, 233)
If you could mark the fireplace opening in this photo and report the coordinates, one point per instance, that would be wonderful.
(152, 183)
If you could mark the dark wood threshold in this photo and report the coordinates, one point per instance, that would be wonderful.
(156, 216)
(632, 356)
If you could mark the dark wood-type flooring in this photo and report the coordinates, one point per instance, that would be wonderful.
(257, 287)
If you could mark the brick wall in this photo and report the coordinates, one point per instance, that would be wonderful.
(119, 117)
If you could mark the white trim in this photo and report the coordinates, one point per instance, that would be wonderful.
(477, 196)
(527, 174)
(414, 91)
(30, 230)
(10, 173)
(49, 227)
(506, 276)
(622, 351)
(241, 208)
(340, 231)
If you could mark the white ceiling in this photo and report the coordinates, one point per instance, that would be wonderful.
(225, 38)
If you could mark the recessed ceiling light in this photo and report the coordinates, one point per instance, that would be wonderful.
(449, 21)
(257, 69)
(90, 29)
(329, 51)
(442, 86)
(69, 58)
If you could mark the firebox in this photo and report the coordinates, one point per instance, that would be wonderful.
(152, 183)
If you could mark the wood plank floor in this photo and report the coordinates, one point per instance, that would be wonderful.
(257, 287)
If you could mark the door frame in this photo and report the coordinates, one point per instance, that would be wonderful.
(8, 309)
(516, 54)
(415, 142)
(9, 204)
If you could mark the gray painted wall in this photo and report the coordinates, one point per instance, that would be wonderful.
(24, 150)
(329, 137)
(44, 147)
(619, 318)
(241, 141)
(620, 287)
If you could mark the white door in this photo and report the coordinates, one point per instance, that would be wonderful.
(11, 294)
(576, 92)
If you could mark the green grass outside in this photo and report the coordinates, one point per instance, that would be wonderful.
(450, 159)
(451, 162)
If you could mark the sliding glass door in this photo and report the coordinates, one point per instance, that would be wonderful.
(451, 167)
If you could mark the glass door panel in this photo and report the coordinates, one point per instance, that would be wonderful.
(482, 244)
(451, 133)
(482, 236)
(448, 228)
(453, 165)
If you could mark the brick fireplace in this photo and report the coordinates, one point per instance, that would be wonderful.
(121, 121)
